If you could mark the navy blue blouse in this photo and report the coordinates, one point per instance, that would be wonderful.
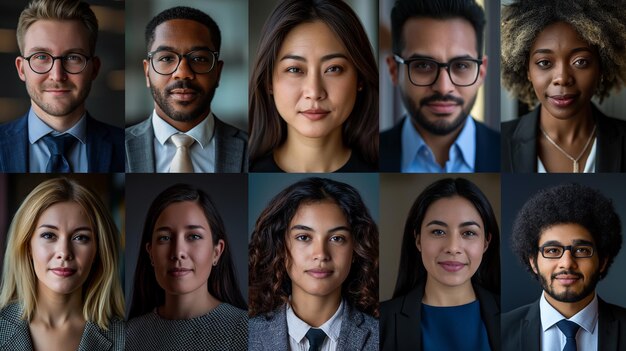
(454, 328)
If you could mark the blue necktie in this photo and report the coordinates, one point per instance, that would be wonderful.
(58, 146)
(316, 338)
(569, 329)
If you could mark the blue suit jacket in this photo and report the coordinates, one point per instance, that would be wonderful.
(105, 147)
(487, 149)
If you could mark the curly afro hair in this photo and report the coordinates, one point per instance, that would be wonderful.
(600, 23)
(562, 204)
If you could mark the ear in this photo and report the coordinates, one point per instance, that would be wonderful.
(96, 67)
(487, 241)
(146, 72)
(20, 63)
(482, 71)
(218, 249)
(392, 65)
(417, 241)
(149, 250)
(532, 261)
(603, 265)
(219, 65)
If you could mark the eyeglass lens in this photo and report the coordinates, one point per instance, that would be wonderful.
(42, 62)
(426, 72)
(166, 62)
(555, 251)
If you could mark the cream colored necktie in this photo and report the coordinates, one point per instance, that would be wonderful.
(181, 163)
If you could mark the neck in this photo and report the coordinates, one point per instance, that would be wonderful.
(59, 123)
(55, 309)
(312, 155)
(315, 310)
(182, 126)
(439, 144)
(187, 306)
(569, 309)
(567, 130)
(437, 294)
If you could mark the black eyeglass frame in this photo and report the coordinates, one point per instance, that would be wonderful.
(565, 248)
(440, 65)
(216, 55)
(54, 58)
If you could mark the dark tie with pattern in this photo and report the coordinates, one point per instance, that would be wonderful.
(569, 329)
(316, 338)
(58, 146)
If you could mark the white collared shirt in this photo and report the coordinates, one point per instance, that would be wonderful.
(298, 328)
(202, 151)
(552, 339)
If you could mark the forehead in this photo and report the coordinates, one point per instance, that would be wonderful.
(441, 39)
(565, 234)
(182, 34)
(56, 36)
(559, 35)
(311, 38)
(452, 209)
(184, 211)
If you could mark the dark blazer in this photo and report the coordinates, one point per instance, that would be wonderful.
(487, 149)
(231, 148)
(359, 331)
(15, 333)
(105, 147)
(519, 143)
(400, 320)
(521, 328)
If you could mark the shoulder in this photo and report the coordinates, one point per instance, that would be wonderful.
(11, 312)
(138, 129)
(268, 331)
(392, 135)
(266, 164)
(14, 126)
(486, 132)
(226, 130)
(101, 127)
(390, 307)
(617, 312)
(518, 314)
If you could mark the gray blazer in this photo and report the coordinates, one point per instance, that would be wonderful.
(359, 331)
(15, 333)
(231, 148)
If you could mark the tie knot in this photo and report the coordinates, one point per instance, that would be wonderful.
(59, 145)
(568, 328)
(316, 338)
(182, 140)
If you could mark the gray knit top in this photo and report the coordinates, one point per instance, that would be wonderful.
(224, 328)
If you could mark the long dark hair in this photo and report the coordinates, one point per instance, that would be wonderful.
(412, 271)
(270, 285)
(222, 283)
(267, 128)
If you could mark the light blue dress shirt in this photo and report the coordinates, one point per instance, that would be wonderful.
(417, 157)
(38, 151)
(297, 329)
(202, 151)
(552, 339)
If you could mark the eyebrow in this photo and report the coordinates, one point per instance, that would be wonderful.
(309, 229)
(444, 224)
(166, 228)
(171, 48)
(324, 58)
(50, 226)
(48, 50)
(416, 56)
(575, 242)
(549, 51)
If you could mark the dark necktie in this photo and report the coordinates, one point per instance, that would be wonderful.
(58, 147)
(569, 329)
(316, 338)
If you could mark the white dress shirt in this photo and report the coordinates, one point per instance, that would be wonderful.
(552, 339)
(297, 329)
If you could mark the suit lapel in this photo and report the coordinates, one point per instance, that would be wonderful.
(99, 148)
(524, 143)
(530, 329)
(490, 312)
(140, 148)
(14, 147)
(408, 321)
(93, 339)
(277, 337)
(228, 150)
(352, 336)
(609, 142)
(608, 334)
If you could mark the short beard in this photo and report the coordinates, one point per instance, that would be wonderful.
(568, 296)
(59, 111)
(160, 98)
(438, 127)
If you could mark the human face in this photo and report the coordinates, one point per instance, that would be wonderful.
(63, 248)
(567, 279)
(441, 108)
(57, 94)
(182, 250)
(314, 84)
(564, 71)
(320, 246)
(182, 98)
(452, 241)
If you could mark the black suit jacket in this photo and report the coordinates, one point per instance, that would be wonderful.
(521, 328)
(487, 149)
(400, 327)
(519, 143)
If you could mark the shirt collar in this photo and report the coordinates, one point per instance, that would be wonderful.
(37, 128)
(202, 133)
(586, 318)
(298, 328)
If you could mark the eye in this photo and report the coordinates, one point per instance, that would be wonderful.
(338, 239)
(422, 66)
(544, 64)
(293, 70)
(73, 58)
(583, 250)
(334, 69)
(200, 59)
(47, 235)
(438, 232)
(162, 238)
(302, 237)
(194, 237)
(469, 234)
(581, 63)
(167, 58)
(40, 57)
(82, 238)
(460, 65)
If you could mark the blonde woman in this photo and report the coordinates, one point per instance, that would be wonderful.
(60, 288)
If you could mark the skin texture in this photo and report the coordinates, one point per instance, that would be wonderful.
(57, 97)
(183, 98)
(320, 246)
(569, 283)
(452, 241)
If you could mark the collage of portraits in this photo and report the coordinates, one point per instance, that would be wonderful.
(312, 175)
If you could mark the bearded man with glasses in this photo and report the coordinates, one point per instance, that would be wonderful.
(438, 66)
(182, 70)
(57, 42)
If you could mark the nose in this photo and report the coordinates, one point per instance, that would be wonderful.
(562, 75)
(320, 250)
(443, 84)
(567, 261)
(183, 71)
(178, 249)
(57, 73)
(64, 250)
(314, 87)
(453, 244)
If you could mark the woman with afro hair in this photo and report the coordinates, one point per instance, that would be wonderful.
(560, 54)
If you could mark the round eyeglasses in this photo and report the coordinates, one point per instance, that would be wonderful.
(552, 251)
(424, 72)
(166, 62)
(42, 62)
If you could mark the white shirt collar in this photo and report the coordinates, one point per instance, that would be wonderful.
(586, 318)
(202, 133)
(298, 328)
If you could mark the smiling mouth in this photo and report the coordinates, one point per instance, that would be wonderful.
(562, 100)
(64, 272)
(183, 94)
(452, 266)
(315, 114)
(442, 107)
(319, 273)
(567, 279)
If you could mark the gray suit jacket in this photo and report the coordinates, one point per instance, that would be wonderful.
(231, 148)
(359, 331)
(15, 333)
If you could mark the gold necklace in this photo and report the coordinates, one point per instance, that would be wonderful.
(574, 160)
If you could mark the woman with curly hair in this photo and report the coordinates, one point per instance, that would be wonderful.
(314, 270)
(561, 54)
(447, 294)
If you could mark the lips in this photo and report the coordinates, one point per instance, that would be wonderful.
(567, 279)
(563, 100)
(63, 272)
(179, 272)
(319, 273)
(452, 266)
(315, 114)
(442, 107)
(183, 94)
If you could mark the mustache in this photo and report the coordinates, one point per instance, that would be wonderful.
(576, 274)
(183, 84)
(57, 86)
(441, 97)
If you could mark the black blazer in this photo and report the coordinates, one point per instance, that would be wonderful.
(400, 327)
(487, 149)
(519, 143)
(521, 328)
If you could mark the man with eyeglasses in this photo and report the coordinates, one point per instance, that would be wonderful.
(567, 237)
(438, 66)
(57, 40)
(182, 70)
